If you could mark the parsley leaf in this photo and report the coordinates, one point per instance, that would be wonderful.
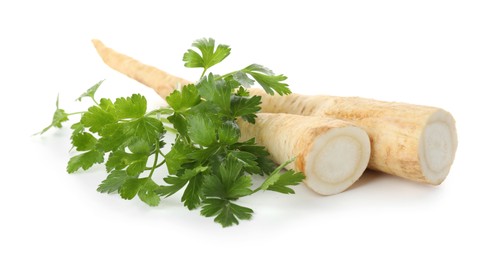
(96, 118)
(289, 178)
(266, 78)
(130, 107)
(131, 187)
(143, 187)
(84, 160)
(147, 193)
(209, 55)
(83, 141)
(229, 133)
(120, 135)
(226, 212)
(176, 157)
(179, 123)
(279, 182)
(176, 184)
(246, 107)
(230, 184)
(216, 93)
(207, 86)
(91, 91)
(113, 182)
(58, 118)
(192, 193)
(182, 100)
(265, 164)
(242, 78)
(78, 128)
(201, 130)
(119, 160)
(248, 160)
(145, 128)
(270, 83)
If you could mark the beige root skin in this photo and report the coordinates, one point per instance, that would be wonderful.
(331, 153)
(414, 142)
(163, 83)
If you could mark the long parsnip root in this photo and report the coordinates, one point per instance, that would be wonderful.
(410, 141)
(163, 83)
(331, 153)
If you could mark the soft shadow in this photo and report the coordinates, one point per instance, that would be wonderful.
(368, 177)
(371, 177)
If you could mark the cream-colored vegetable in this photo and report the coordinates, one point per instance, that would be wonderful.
(163, 83)
(410, 141)
(331, 153)
(414, 142)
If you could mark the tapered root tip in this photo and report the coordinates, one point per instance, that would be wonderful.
(101, 49)
(97, 43)
(337, 159)
(437, 147)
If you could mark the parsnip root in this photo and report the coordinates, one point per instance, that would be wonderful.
(163, 83)
(331, 153)
(410, 141)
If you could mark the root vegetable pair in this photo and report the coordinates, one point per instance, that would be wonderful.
(334, 139)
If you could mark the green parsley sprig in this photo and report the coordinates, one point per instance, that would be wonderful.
(207, 162)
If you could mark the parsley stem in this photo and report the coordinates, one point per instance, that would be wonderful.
(93, 99)
(225, 75)
(160, 110)
(75, 113)
(203, 73)
(158, 165)
(156, 159)
(170, 129)
(254, 191)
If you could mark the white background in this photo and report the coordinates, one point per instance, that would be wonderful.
(439, 53)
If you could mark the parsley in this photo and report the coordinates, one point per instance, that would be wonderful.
(60, 116)
(208, 56)
(207, 162)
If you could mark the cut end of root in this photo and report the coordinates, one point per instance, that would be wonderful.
(337, 159)
(437, 147)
